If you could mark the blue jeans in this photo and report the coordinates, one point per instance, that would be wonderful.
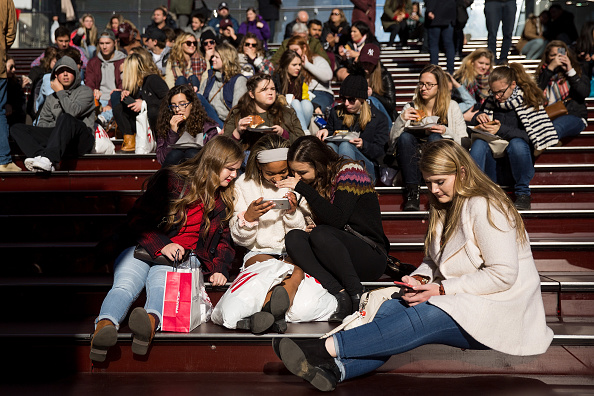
(534, 48)
(496, 12)
(349, 150)
(304, 110)
(323, 100)
(396, 328)
(4, 146)
(447, 37)
(130, 277)
(568, 125)
(210, 111)
(181, 80)
(519, 156)
(108, 115)
(407, 155)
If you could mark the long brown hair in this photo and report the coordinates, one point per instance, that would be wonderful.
(374, 79)
(195, 122)
(283, 73)
(446, 157)
(325, 161)
(266, 142)
(443, 99)
(201, 177)
(304, 45)
(247, 106)
(466, 74)
(575, 63)
(259, 45)
(533, 96)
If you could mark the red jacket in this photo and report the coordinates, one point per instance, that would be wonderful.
(93, 73)
(364, 11)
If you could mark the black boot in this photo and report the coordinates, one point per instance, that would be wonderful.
(345, 307)
(413, 198)
(356, 301)
(310, 360)
(278, 306)
(257, 323)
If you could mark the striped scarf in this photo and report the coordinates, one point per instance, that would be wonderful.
(538, 125)
(557, 88)
(481, 86)
(196, 67)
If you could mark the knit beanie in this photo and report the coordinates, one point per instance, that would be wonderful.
(355, 85)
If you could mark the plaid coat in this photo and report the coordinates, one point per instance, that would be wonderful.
(146, 218)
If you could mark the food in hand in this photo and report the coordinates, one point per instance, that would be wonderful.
(491, 122)
(420, 114)
(256, 121)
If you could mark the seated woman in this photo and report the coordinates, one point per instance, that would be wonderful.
(261, 100)
(338, 20)
(185, 64)
(381, 84)
(395, 20)
(473, 74)
(560, 77)
(348, 244)
(183, 127)
(484, 296)
(532, 43)
(349, 52)
(355, 114)
(317, 74)
(225, 84)
(514, 112)
(260, 226)
(141, 81)
(256, 25)
(252, 57)
(184, 208)
(432, 98)
(289, 80)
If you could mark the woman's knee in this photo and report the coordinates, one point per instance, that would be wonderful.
(295, 238)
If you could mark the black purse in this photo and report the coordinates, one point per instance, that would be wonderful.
(140, 253)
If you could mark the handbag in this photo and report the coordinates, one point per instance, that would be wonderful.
(141, 253)
(556, 110)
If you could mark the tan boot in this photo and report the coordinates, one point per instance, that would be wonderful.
(144, 326)
(129, 143)
(105, 336)
(10, 167)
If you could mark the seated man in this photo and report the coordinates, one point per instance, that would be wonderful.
(62, 36)
(154, 39)
(302, 17)
(222, 13)
(315, 46)
(228, 33)
(103, 73)
(65, 123)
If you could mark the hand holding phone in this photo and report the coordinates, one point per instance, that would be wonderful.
(280, 203)
(408, 285)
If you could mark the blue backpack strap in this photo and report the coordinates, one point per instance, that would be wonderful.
(229, 88)
(209, 83)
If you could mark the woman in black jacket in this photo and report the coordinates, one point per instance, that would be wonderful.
(382, 92)
(360, 34)
(440, 18)
(560, 77)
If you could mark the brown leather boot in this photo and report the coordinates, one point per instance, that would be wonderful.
(144, 327)
(105, 336)
(129, 143)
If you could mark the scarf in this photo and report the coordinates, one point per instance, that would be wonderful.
(196, 67)
(358, 46)
(479, 88)
(538, 125)
(557, 89)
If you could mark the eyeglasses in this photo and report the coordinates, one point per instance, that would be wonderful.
(190, 43)
(253, 45)
(499, 93)
(209, 42)
(426, 85)
(182, 106)
(351, 100)
(336, 13)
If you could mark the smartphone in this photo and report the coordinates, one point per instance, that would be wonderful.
(281, 203)
(309, 221)
(561, 51)
(403, 284)
(128, 100)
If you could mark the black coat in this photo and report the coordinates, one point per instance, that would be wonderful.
(444, 11)
(511, 125)
(388, 99)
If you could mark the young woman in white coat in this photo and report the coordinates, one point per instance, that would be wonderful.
(432, 98)
(477, 288)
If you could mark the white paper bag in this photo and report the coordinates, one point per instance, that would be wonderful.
(312, 302)
(103, 144)
(145, 140)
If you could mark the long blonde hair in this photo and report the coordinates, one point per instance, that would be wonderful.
(446, 157)
(201, 177)
(136, 68)
(466, 74)
(443, 99)
(177, 55)
(348, 119)
(229, 59)
(533, 95)
(93, 31)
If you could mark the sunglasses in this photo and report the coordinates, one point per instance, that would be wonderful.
(190, 43)
(253, 45)
(336, 13)
(209, 42)
(350, 100)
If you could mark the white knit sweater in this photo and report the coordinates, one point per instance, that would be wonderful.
(492, 287)
(268, 235)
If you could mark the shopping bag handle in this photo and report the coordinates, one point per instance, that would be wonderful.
(177, 260)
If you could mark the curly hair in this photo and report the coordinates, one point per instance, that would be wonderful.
(177, 55)
(259, 45)
(195, 122)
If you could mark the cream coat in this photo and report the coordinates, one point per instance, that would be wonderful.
(455, 130)
(491, 283)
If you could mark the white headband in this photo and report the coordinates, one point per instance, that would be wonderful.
(273, 155)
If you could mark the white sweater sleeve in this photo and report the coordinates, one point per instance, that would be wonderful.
(456, 128)
(242, 232)
(398, 126)
(320, 69)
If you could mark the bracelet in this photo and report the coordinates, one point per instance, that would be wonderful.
(423, 279)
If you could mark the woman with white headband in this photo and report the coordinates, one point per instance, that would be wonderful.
(260, 225)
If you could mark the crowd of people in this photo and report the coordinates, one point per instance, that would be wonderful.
(223, 107)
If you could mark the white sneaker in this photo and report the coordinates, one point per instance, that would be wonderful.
(39, 164)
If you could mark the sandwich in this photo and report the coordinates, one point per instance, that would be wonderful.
(256, 121)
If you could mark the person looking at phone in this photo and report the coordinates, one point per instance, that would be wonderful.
(485, 295)
(560, 77)
(260, 225)
(432, 98)
(515, 113)
(356, 114)
(348, 244)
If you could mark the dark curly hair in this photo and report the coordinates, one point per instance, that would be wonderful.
(195, 122)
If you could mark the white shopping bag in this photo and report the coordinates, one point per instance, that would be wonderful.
(103, 144)
(145, 140)
(312, 302)
(248, 291)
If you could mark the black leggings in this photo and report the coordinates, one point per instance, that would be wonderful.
(336, 258)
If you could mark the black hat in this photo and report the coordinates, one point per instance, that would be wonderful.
(155, 34)
(206, 35)
(355, 85)
(222, 5)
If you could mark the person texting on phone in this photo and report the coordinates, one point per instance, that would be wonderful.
(262, 216)
(348, 244)
(432, 98)
(184, 208)
(356, 114)
(560, 77)
(477, 287)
